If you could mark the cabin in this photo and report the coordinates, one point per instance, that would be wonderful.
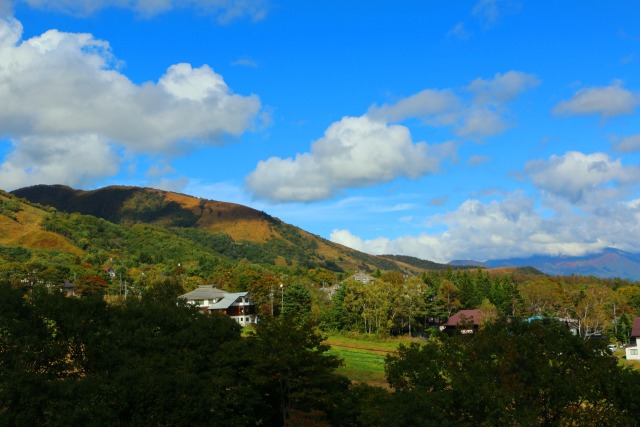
(237, 305)
(464, 321)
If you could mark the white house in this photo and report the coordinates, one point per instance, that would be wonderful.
(237, 305)
(634, 343)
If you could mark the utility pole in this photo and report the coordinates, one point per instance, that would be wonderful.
(271, 296)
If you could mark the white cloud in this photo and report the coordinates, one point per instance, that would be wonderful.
(6, 8)
(581, 178)
(245, 62)
(508, 228)
(459, 31)
(481, 116)
(477, 159)
(628, 144)
(76, 160)
(64, 86)
(354, 152)
(224, 10)
(607, 101)
(487, 10)
(432, 106)
(490, 11)
(481, 122)
(503, 87)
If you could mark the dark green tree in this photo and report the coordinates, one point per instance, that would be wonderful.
(293, 372)
(534, 373)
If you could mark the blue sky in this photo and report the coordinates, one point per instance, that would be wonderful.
(445, 130)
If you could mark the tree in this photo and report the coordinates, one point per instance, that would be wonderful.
(520, 373)
(91, 285)
(412, 302)
(542, 297)
(488, 313)
(590, 310)
(448, 297)
(292, 370)
(297, 300)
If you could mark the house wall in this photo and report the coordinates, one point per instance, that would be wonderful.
(632, 353)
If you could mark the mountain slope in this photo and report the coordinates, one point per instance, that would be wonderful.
(269, 236)
(19, 227)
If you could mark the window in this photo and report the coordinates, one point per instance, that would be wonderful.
(633, 351)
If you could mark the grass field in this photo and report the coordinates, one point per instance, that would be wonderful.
(364, 357)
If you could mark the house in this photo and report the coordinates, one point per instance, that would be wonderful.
(363, 278)
(634, 343)
(237, 305)
(466, 321)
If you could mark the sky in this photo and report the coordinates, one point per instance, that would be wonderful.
(444, 130)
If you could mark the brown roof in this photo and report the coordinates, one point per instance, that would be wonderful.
(465, 316)
(635, 329)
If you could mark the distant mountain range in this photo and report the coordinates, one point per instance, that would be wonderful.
(609, 263)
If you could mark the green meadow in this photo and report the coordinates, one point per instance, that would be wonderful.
(364, 356)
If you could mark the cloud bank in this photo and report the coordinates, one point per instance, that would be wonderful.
(61, 91)
(585, 208)
(371, 149)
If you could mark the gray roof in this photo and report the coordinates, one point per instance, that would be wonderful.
(227, 301)
(204, 292)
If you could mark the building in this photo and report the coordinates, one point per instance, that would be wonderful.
(363, 278)
(631, 351)
(464, 321)
(237, 305)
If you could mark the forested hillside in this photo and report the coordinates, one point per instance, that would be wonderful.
(265, 239)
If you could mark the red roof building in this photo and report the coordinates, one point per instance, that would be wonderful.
(466, 321)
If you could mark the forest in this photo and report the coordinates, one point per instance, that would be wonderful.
(149, 361)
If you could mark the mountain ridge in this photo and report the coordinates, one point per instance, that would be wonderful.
(608, 263)
(136, 205)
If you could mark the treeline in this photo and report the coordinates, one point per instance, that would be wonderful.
(394, 304)
(149, 361)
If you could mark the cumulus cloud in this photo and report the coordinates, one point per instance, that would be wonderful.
(579, 178)
(75, 160)
(354, 152)
(65, 86)
(368, 150)
(607, 101)
(224, 10)
(481, 116)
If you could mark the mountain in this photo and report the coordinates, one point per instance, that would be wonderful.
(234, 230)
(467, 263)
(609, 263)
(421, 263)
